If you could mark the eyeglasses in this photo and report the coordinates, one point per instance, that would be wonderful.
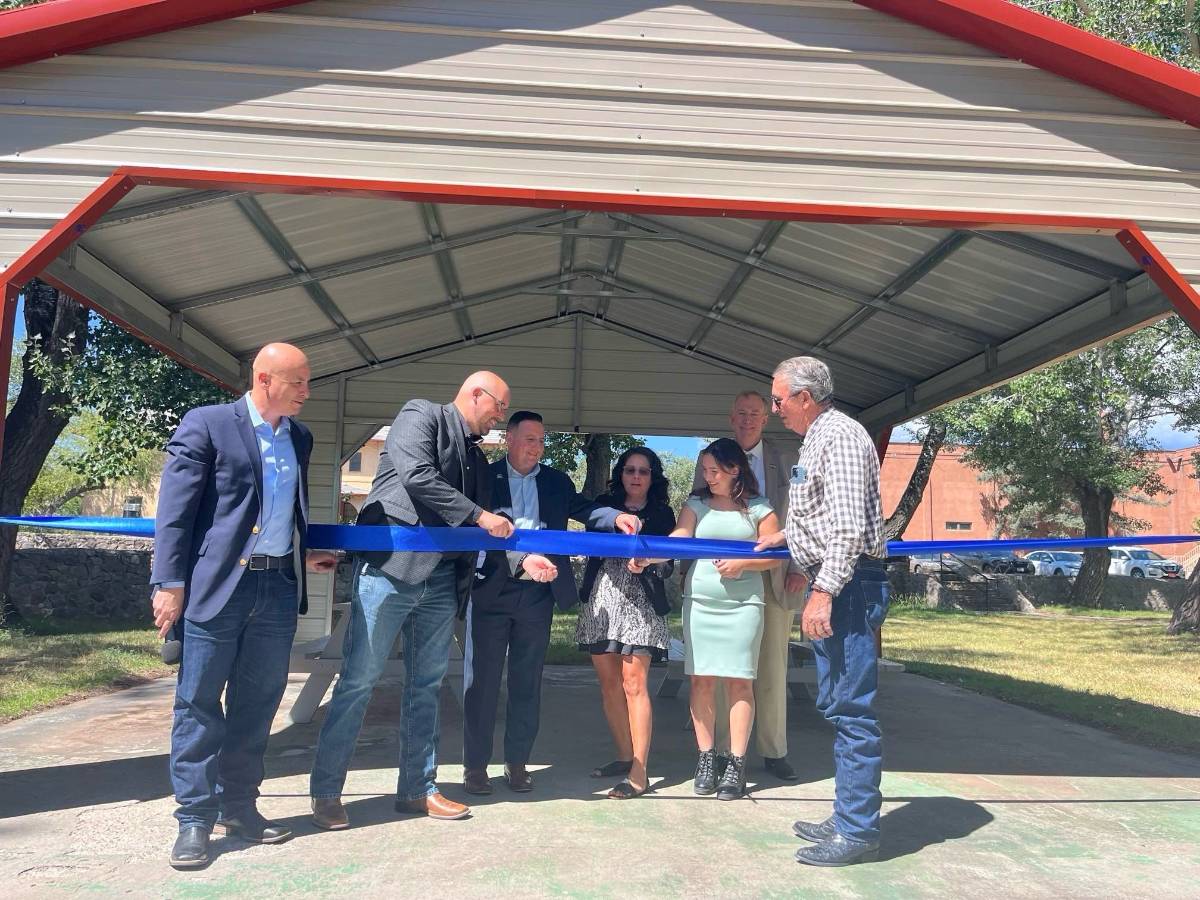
(500, 403)
(630, 470)
(777, 402)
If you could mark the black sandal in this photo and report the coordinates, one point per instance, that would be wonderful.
(626, 791)
(616, 767)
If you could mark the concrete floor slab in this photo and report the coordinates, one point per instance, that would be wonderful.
(982, 799)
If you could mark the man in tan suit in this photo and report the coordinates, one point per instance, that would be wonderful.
(771, 460)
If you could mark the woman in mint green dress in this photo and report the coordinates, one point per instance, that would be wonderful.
(723, 609)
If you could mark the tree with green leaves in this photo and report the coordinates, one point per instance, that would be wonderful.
(1078, 434)
(1169, 29)
(77, 364)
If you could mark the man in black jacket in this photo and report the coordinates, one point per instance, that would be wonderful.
(513, 601)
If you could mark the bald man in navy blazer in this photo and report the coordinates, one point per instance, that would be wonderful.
(229, 561)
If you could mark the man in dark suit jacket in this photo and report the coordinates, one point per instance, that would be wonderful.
(513, 601)
(431, 472)
(229, 553)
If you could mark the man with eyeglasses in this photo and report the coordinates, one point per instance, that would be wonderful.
(512, 604)
(431, 472)
(834, 533)
(229, 567)
(770, 459)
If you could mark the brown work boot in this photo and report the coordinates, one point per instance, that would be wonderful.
(435, 806)
(518, 778)
(476, 781)
(328, 813)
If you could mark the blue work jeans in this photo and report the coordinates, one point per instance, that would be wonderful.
(217, 753)
(516, 625)
(381, 609)
(847, 677)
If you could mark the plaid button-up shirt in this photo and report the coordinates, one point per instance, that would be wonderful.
(834, 511)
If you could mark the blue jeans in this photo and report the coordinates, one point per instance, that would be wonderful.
(516, 625)
(847, 677)
(381, 609)
(217, 753)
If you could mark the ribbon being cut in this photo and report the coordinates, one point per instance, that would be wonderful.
(578, 543)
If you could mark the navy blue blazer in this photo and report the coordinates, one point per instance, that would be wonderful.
(558, 501)
(209, 505)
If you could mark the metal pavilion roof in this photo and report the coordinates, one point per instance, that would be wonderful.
(907, 317)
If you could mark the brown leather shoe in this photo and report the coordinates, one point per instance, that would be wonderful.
(476, 781)
(435, 806)
(328, 813)
(518, 778)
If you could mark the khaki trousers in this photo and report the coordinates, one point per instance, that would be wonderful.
(770, 687)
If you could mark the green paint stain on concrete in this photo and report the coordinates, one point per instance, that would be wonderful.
(270, 881)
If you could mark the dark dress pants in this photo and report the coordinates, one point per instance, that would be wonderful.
(517, 624)
(217, 751)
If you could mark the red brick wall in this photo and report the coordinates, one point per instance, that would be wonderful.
(955, 494)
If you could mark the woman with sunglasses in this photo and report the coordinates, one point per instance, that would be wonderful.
(623, 620)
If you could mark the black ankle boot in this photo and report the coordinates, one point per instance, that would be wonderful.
(733, 781)
(706, 774)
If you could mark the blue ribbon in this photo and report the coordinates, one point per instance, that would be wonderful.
(414, 538)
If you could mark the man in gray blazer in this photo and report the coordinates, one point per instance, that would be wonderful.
(772, 462)
(431, 472)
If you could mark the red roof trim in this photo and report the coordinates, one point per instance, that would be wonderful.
(1049, 44)
(68, 26)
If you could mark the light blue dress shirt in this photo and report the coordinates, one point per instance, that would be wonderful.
(526, 510)
(281, 471)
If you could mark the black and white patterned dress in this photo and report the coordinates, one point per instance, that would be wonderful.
(619, 618)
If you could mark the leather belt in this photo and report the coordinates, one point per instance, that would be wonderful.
(261, 563)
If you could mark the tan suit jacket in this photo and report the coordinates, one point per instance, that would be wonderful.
(779, 455)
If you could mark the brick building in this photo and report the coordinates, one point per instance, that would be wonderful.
(956, 501)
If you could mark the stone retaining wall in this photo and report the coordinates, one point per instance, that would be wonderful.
(1028, 592)
(82, 575)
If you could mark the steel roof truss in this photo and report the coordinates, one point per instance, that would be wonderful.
(283, 248)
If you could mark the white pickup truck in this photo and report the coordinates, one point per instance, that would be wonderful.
(1138, 562)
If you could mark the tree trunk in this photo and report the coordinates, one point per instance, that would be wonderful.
(1186, 616)
(893, 528)
(1095, 505)
(34, 424)
(597, 454)
(59, 502)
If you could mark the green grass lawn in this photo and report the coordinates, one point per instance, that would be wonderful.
(45, 663)
(1118, 670)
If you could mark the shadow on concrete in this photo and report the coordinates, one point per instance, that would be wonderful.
(928, 727)
(924, 821)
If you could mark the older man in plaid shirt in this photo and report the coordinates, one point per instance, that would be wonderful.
(834, 532)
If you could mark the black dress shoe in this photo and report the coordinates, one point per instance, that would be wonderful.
(518, 778)
(191, 848)
(838, 851)
(814, 831)
(780, 768)
(253, 827)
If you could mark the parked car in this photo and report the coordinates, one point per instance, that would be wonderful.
(936, 564)
(1139, 562)
(1055, 562)
(998, 562)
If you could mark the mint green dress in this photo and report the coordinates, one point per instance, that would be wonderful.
(723, 617)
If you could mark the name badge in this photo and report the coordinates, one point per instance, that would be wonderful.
(799, 474)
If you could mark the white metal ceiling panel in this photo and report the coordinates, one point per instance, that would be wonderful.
(188, 253)
(247, 324)
(509, 260)
(325, 230)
